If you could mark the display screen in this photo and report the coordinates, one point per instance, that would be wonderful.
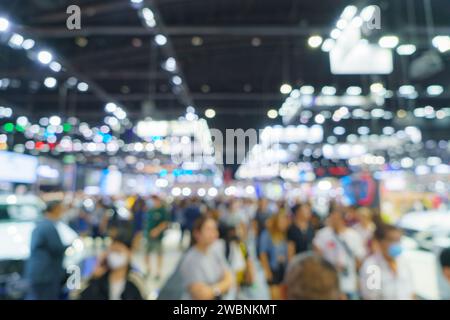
(18, 168)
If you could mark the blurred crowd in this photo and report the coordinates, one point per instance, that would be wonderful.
(230, 248)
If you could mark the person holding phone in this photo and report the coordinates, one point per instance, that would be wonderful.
(113, 277)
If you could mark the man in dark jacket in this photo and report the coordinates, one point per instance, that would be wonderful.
(44, 269)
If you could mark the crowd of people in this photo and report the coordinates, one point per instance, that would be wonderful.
(239, 248)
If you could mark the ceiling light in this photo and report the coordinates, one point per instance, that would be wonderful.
(55, 66)
(339, 131)
(442, 43)
(315, 41)
(190, 109)
(170, 64)
(210, 113)
(368, 12)
(407, 90)
(327, 45)
(197, 41)
(363, 131)
(50, 82)
(147, 14)
(354, 91)
(357, 22)
(151, 23)
(342, 24)
(272, 113)
(4, 24)
(176, 80)
(388, 42)
(83, 87)
(28, 44)
(136, 1)
(307, 90)
(191, 116)
(16, 40)
(160, 39)
(55, 121)
(406, 49)
(377, 88)
(335, 33)
(285, 88)
(319, 119)
(110, 107)
(349, 12)
(120, 114)
(435, 90)
(329, 91)
(45, 57)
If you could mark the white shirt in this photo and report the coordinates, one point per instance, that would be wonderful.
(365, 233)
(334, 252)
(379, 282)
(116, 289)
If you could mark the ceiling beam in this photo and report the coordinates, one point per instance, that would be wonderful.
(137, 97)
(93, 74)
(275, 31)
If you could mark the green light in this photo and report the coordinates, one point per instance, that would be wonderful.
(20, 128)
(9, 127)
(69, 159)
(67, 127)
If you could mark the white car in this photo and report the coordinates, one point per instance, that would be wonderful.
(431, 229)
(18, 216)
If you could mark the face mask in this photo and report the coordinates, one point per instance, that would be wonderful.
(117, 260)
(395, 250)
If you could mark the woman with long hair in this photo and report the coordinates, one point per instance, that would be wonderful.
(274, 251)
(204, 270)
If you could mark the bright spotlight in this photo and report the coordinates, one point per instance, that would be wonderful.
(435, 90)
(328, 91)
(170, 64)
(285, 88)
(272, 113)
(442, 43)
(16, 40)
(160, 39)
(83, 87)
(110, 107)
(54, 121)
(349, 12)
(176, 80)
(28, 44)
(210, 113)
(406, 49)
(307, 90)
(4, 24)
(55, 66)
(45, 57)
(335, 33)
(388, 42)
(315, 41)
(50, 82)
(328, 45)
(354, 91)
